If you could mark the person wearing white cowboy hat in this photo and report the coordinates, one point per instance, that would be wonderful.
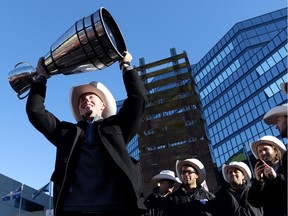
(190, 198)
(93, 170)
(267, 140)
(197, 166)
(165, 174)
(231, 199)
(235, 165)
(155, 201)
(269, 150)
(268, 188)
(278, 116)
(81, 109)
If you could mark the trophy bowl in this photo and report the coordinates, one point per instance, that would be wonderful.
(92, 43)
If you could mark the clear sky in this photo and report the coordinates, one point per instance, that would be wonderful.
(150, 28)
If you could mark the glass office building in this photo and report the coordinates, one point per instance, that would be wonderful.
(238, 82)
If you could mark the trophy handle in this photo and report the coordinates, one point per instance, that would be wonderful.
(22, 97)
(21, 77)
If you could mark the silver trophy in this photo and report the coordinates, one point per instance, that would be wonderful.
(92, 43)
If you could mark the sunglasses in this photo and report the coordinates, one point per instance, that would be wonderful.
(189, 172)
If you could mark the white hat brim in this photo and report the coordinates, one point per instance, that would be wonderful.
(100, 90)
(164, 176)
(271, 116)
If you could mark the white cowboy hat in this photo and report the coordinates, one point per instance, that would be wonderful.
(271, 116)
(238, 165)
(196, 164)
(166, 174)
(284, 87)
(100, 90)
(271, 140)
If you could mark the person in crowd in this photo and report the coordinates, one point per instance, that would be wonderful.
(94, 174)
(231, 199)
(268, 186)
(190, 198)
(155, 201)
(278, 116)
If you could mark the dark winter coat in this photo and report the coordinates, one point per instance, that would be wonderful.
(182, 203)
(115, 132)
(155, 204)
(271, 194)
(225, 203)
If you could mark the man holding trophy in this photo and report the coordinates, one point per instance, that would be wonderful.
(94, 174)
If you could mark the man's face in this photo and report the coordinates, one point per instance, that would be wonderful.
(267, 153)
(189, 176)
(166, 186)
(235, 177)
(281, 125)
(89, 105)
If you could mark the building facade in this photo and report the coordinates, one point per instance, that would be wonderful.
(172, 128)
(21, 202)
(237, 82)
